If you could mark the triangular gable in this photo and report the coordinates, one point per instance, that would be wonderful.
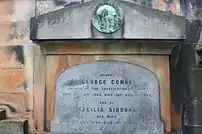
(74, 22)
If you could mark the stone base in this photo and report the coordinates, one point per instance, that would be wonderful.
(14, 126)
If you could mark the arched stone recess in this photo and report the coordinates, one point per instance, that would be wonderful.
(107, 97)
(139, 22)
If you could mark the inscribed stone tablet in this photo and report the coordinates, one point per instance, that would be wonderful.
(107, 97)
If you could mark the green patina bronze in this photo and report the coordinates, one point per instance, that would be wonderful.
(107, 17)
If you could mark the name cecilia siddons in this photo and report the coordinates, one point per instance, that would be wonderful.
(101, 109)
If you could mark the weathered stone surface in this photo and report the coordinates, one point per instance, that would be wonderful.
(148, 23)
(193, 110)
(13, 11)
(192, 129)
(44, 6)
(107, 97)
(14, 126)
(196, 83)
(14, 33)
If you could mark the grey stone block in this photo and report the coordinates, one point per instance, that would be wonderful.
(14, 126)
(192, 129)
(196, 84)
(193, 32)
(193, 110)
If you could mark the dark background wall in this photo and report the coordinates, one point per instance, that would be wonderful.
(183, 60)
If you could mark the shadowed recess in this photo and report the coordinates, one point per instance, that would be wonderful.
(19, 53)
(12, 109)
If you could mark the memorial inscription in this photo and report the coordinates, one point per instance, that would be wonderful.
(107, 97)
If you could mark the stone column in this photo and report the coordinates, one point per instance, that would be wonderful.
(192, 74)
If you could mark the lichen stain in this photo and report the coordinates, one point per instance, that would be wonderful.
(18, 31)
(12, 57)
(19, 54)
(12, 69)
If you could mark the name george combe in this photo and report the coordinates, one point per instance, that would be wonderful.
(101, 82)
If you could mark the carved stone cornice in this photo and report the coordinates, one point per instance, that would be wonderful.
(74, 22)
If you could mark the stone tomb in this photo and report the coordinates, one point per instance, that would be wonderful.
(107, 97)
(103, 68)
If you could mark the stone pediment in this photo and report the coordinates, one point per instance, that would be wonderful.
(75, 22)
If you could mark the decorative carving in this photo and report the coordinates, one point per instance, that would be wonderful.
(107, 17)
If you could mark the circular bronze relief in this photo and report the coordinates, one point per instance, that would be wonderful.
(107, 17)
